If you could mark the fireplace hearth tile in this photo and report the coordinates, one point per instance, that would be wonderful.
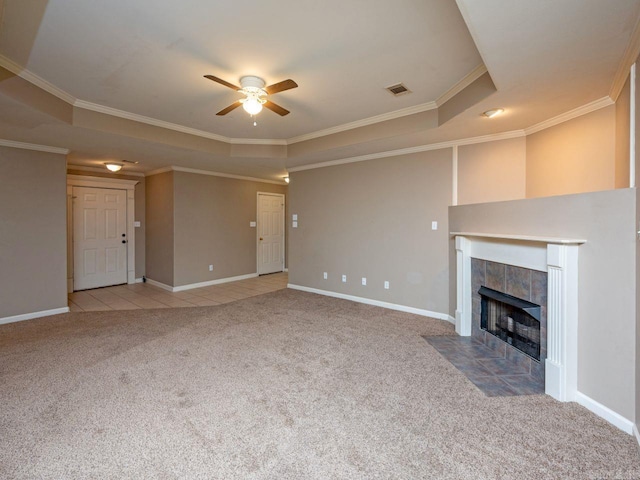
(493, 374)
(482, 351)
(458, 360)
(524, 384)
(502, 366)
(494, 386)
(474, 370)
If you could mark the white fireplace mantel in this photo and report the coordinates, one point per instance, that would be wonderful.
(556, 256)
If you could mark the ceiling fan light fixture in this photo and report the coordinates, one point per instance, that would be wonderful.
(113, 167)
(252, 105)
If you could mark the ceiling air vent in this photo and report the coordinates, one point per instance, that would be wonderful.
(398, 89)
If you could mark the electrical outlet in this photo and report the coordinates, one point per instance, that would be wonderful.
(211, 268)
(386, 285)
(344, 279)
(364, 280)
(325, 276)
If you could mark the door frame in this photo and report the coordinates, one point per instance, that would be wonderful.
(284, 230)
(107, 184)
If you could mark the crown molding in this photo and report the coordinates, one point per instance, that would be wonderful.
(408, 151)
(630, 54)
(85, 168)
(257, 141)
(570, 115)
(174, 168)
(424, 107)
(471, 77)
(33, 146)
(94, 107)
(34, 79)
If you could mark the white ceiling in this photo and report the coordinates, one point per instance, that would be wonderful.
(148, 57)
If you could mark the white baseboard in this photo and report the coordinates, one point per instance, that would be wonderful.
(606, 413)
(30, 316)
(191, 286)
(377, 303)
(636, 434)
(286, 270)
(139, 280)
(163, 286)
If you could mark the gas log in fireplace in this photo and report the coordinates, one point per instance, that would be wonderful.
(511, 319)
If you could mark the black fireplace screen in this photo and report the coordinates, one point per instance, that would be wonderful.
(511, 319)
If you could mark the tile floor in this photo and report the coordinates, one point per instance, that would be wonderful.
(142, 295)
(487, 369)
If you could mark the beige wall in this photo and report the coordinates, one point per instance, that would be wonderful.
(373, 219)
(159, 230)
(492, 171)
(575, 156)
(33, 237)
(139, 213)
(607, 277)
(212, 216)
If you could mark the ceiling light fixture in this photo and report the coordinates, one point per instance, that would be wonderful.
(252, 105)
(286, 179)
(253, 88)
(494, 112)
(113, 167)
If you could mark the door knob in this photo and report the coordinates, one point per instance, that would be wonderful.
(260, 238)
(124, 241)
(124, 234)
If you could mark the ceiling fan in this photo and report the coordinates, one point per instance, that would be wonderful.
(255, 92)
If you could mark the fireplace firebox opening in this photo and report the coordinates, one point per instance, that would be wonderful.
(511, 319)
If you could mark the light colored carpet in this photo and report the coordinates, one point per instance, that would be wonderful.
(287, 385)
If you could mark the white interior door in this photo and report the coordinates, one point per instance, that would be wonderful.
(99, 237)
(270, 233)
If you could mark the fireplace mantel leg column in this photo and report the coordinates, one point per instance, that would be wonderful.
(463, 290)
(561, 372)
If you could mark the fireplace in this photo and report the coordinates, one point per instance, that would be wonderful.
(513, 320)
(558, 259)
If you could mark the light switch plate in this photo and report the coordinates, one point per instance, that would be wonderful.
(344, 279)
(252, 224)
(434, 225)
(364, 281)
(294, 216)
(136, 223)
(294, 225)
(324, 275)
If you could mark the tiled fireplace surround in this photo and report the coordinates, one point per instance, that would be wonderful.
(519, 282)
